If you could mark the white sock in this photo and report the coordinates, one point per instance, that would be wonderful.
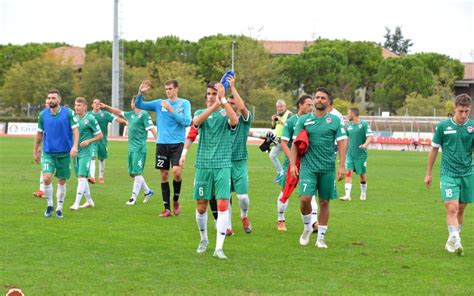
(41, 182)
(48, 193)
(87, 193)
(322, 231)
(229, 224)
(281, 207)
(101, 168)
(60, 196)
(347, 189)
(92, 168)
(145, 187)
(244, 204)
(137, 185)
(453, 231)
(314, 210)
(363, 189)
(81, 188)
(221, 225)
(307, 222)
(201, 220)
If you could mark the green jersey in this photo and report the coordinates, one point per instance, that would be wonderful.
(239, 137)
(357, 132)
(287, 133)
(456, 142)
(215, 142)
(322, 132)
(138, 126)
(88, 129)
(103, 119)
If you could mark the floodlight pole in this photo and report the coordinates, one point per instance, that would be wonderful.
(115, 68)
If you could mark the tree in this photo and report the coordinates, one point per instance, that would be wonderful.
(30, 81)
(191, 85)
(96, 77)
(12, 54)
(419, 105)
(396, 42)
(339, 65)
(399, 77)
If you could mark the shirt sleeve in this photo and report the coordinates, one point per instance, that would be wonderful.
(286, 133)
(148, 106)
(40, 122)
(72, 119)
(437, 137)
(197, 113)
(341, 133)
(147, 121)
(192, 134)
(298, 127)
(184, 118)
(368, 130)
(94, 126)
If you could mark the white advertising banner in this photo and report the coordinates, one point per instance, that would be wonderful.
(22, 128)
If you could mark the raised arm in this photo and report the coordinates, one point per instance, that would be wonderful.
(112, 110)
(139, 100)
(233, 117)
(238, 99)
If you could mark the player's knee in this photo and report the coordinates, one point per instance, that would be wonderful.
(222, 205)
(61, 181)
(201, 206)
(323, 203)
(348, 174)
(164, 176)
(47, 179)
(177, 173)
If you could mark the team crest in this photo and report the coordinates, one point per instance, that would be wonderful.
(470, 129)
(180, 104)
(223, 113)
(328, 120)
(86, 121)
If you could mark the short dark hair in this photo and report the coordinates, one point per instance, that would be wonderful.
(301, 100)
(54, 91)
(463, 100)
(326, 91)
(355, 111)
(231, 96)
(212, 84)
(81, 100)
(173, 82)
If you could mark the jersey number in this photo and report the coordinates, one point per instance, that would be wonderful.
(304, 186)
(449, 192)
(159, 163)
(201, 191)
(45, 167)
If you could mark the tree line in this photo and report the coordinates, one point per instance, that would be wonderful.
(352, 70)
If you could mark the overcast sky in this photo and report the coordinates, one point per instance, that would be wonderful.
(443, 26)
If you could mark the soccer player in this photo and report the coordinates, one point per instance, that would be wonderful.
(360, 136)
(303, 106)
(278, 120)
(317, 171)
(89, 132)
(100, 148)
(213, 164)
(57, 130)
(40, 193)
(139, 123)
(173, 116)
(455, 136)
(239, 172)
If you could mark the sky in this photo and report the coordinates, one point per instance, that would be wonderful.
(442, 26)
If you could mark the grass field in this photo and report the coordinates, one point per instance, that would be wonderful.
(391, 244)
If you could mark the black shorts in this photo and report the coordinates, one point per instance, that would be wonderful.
(166, 154)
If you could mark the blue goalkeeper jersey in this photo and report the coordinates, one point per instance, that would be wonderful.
(171, 126)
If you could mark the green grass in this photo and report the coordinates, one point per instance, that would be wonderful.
(391, 244)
